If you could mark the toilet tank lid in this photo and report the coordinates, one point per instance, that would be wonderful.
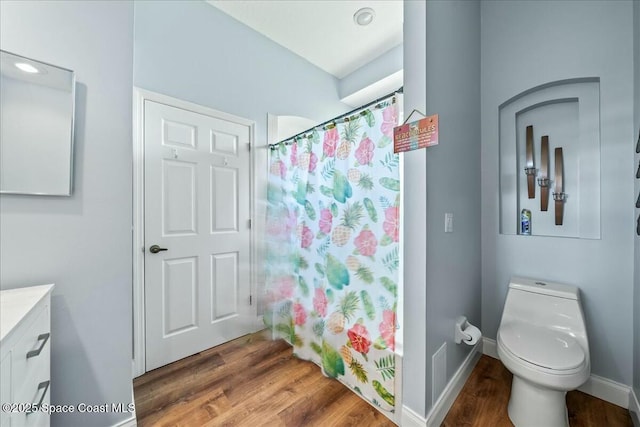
(544, 287)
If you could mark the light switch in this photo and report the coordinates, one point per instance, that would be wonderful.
(448, 222)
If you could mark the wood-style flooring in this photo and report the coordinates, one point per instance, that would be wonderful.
(484, 398)
(253, 381)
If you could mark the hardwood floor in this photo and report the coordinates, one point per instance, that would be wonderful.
(484, 397)
(251, 381)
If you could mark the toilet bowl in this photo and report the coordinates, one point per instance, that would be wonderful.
(542, 341)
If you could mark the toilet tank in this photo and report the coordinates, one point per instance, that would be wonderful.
(546, 304)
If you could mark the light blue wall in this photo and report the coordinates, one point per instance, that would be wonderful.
(82, 242)
(414, 326)
(442, 270)
(377, 69)
(193, 51)
(563, 40)
(453, 176)
(636, 128)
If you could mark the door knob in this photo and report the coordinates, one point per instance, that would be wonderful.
(155, 249)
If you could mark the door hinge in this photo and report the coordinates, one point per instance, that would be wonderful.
(249, 223)
(248, 146)
(250, 299)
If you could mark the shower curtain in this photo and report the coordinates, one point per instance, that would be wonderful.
(332, 249)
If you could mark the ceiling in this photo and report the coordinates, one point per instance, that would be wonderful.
(323, 31)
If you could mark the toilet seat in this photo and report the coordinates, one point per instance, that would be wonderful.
(551, 351)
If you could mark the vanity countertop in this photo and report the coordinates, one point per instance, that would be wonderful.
(15, 304)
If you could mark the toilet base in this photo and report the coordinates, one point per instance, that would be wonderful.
(534, 406)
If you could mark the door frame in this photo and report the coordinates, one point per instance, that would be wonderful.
(139, 98)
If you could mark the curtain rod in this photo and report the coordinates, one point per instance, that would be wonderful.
(347, 114)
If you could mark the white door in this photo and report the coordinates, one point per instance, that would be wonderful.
(197, 211)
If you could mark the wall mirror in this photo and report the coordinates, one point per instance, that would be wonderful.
(36, 127)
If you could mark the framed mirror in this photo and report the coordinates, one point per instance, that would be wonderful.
(37, 102)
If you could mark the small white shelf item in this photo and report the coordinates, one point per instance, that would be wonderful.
(25, 354)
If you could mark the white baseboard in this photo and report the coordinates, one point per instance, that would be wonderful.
(634, 408)
(490, 347)
(605, 389)
(440, 409)
(451, 391)
(411, 419)
(129, 422)
(132, 421)
(602, 388)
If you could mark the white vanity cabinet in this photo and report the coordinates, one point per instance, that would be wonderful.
(25, 332)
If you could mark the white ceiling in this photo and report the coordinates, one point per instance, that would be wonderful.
(323, 31)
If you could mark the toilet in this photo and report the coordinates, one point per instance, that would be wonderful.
(543, 341)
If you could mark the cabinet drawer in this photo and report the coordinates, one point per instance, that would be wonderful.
(31, 354)
(30, 390)
(38, 418)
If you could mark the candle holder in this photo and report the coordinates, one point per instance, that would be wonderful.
(544, 182)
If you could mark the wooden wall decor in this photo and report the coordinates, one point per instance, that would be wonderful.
(530, 169)
(543, 181)
(559, 195)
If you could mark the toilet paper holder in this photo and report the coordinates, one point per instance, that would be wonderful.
(464, 332)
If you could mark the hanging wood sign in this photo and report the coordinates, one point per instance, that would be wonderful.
(416, 135)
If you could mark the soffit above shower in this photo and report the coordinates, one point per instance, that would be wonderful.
(323, 31)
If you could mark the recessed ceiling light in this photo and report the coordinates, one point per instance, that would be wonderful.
(27, 68)
(364, 16)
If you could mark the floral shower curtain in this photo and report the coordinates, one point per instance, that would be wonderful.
(332, 249)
